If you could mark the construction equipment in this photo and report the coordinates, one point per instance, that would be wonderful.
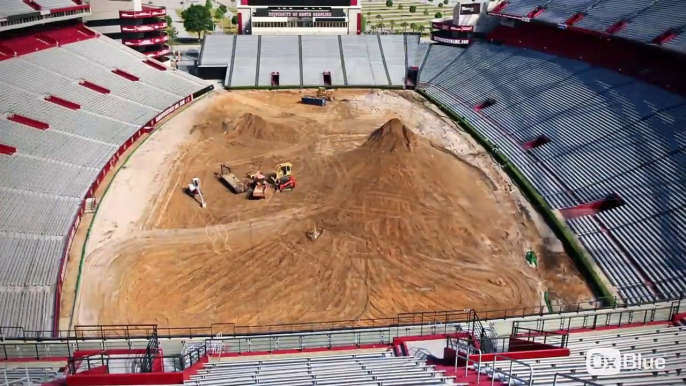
(282, 170)
(194, 188)
(259, 184)
(231, 180)
(313, 100)
(323, 93)
(285, 183)
(314, 233)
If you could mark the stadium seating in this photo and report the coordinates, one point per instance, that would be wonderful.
(217, 50)
(12, 8)
(605, 133)
(393, 48)
(639, 20)
(355, 369)
(364, 63)
(244, 70)
(279, 54)
(321, 54)
(651, 342)
(65, 135)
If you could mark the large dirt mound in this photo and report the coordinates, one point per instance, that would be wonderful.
(393, 136)
(255, 127)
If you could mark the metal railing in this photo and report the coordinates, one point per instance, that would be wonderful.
(583, 382)
(509, 375)
(405, 319)
(614, 318)
(25, 376)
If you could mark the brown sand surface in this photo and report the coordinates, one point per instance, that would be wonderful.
(407, 226)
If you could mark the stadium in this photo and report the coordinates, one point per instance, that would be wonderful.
(500, 204)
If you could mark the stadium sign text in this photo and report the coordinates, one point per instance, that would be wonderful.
(172, 108)
(299, 14)
(610, 361)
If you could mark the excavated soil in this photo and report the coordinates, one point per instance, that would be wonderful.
(407, 226)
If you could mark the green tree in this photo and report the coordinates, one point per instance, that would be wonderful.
(234, 20)
(440, 5)
(224, 9)
(389, 3)
(413, 27)
(380, 25)
(413, 8)
(197, 19)
(173, 34)
(404, 25)
(168, 19)
(400, 6)
(219, 17)
(372, 27)
(392, 23)
(426, 12)
(446, 2)
(421, 29)
(438, 15)
(208, 4)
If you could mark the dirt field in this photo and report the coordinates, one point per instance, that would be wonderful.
(414, 217)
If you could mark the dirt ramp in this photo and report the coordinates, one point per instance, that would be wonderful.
(393, 136)
(253, 126)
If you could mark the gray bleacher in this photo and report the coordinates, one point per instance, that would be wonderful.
(113, 54)
(37, 79)
(590, 115)
(351, 369)
(438, 58)
(45, 182)
(416, 53)
(559, 11)
(81, 123)
(394, 55)
(14, 7)
(245, 61)
(650, 342)
(279, 54)
(659, 18)
(321, 53)
(522, 7)
(606, 13)
(364, 65)
(217, 50)
(76, 67)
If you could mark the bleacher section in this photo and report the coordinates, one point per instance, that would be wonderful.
(321, 54)
(364, 64)
(650, 342)
(351, 369)
(65, 133)
(13, 8)
(217, 50)
(279, 54)
(244, 62)
(351, 60)
(606, 134)
(640, 20)
(393, 47)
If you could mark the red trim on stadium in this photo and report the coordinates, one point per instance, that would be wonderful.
(28, 122)
(63, 102)
(94, 87)
(126, 75)
(32, 42)
(239, 27)
(71, 9)
(147, 12)
(35, 6)
(145, 28)
(7, 150)
(155, 65)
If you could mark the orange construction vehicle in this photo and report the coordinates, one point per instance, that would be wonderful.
(259, 184)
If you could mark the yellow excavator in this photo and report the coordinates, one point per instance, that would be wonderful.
(283, 180)
(324, 94)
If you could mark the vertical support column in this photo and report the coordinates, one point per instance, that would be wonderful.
(257, 65)
(340, 48)
(383, 59)
(300, 57)
(229, 70)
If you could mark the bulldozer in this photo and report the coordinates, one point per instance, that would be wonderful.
(324, 94)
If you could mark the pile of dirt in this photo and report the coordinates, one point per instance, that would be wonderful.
(252, 126)
(393, 136)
